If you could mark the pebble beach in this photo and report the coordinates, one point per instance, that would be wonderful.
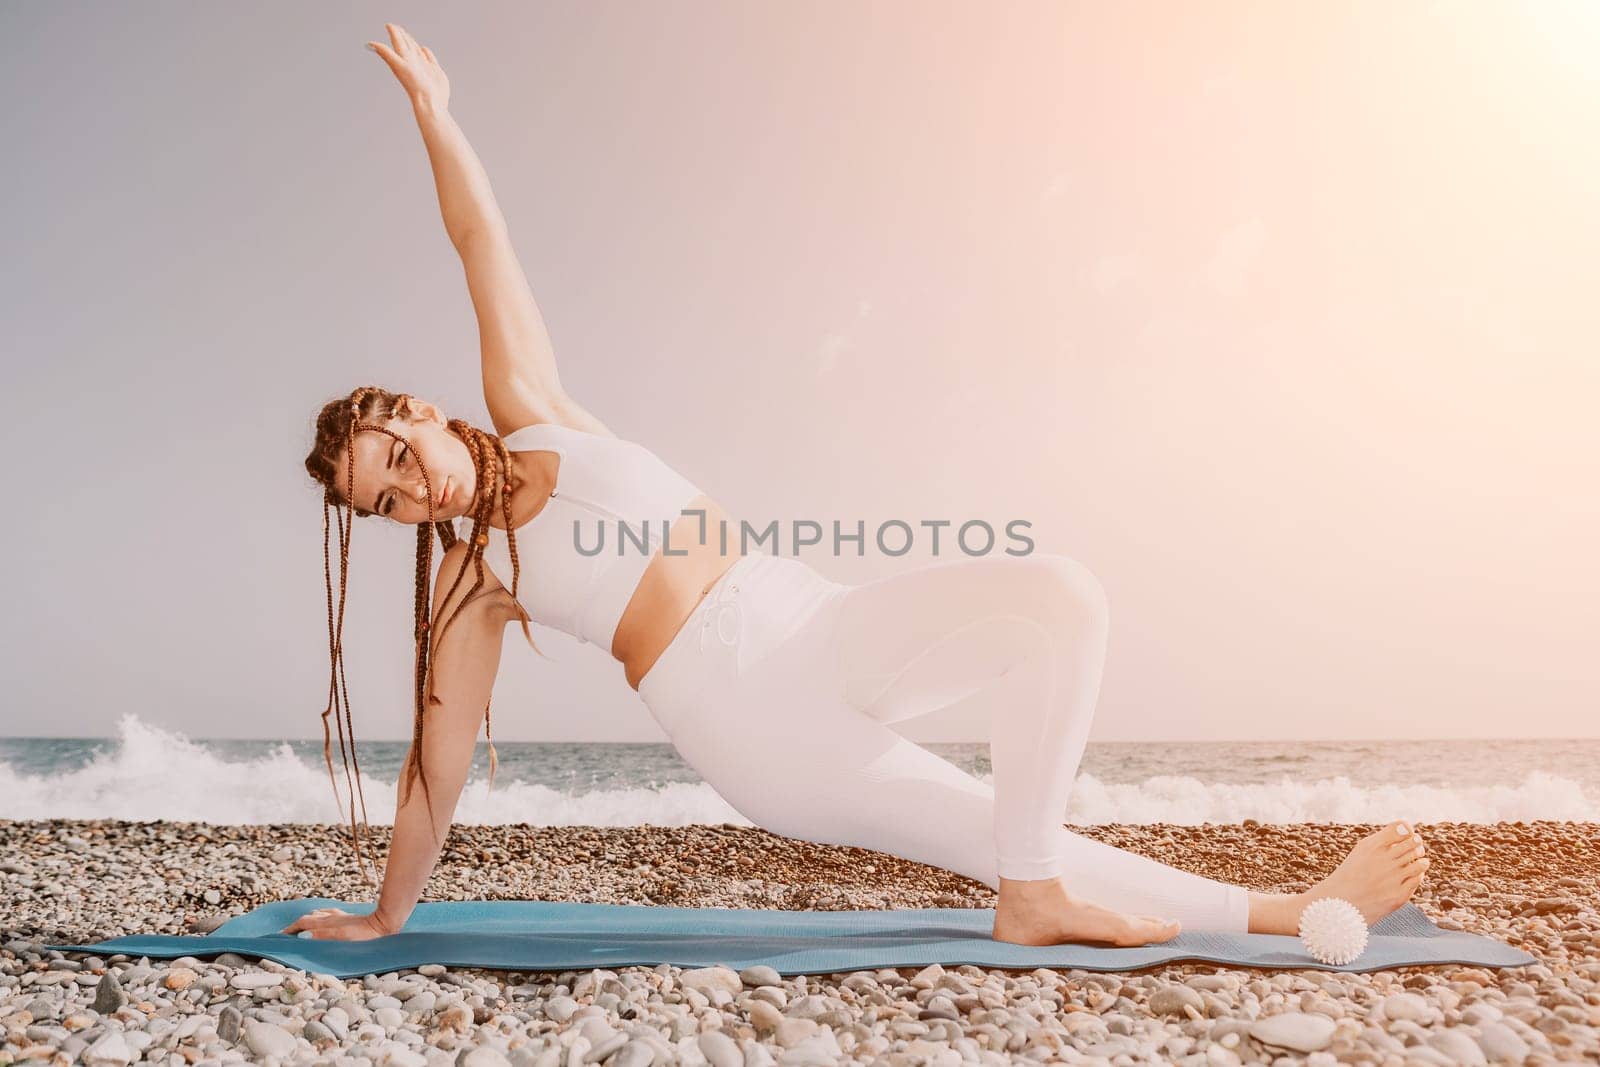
(1530, 884)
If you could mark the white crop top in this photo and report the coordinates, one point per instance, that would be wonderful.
(602, 484)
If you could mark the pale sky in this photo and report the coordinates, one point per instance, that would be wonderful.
(1281, 318)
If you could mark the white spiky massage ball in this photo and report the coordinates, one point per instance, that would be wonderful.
(1333, 930)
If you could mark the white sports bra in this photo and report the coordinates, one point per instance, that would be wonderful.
(577, 567)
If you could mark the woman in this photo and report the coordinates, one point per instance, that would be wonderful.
(777, 685)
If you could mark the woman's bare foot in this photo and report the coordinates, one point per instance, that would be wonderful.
(1042, 912)
(1380, 874)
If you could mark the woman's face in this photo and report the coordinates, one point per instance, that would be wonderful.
(388, 474)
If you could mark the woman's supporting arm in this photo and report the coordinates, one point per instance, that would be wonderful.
(464, 667)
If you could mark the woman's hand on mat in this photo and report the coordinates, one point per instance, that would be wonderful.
(414, 65)
(332, 924)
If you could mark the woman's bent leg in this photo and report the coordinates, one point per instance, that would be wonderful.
(753, 699)
(834, 776)
(1026, 638)
(1022, 640)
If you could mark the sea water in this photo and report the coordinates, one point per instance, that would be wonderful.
(148, 772)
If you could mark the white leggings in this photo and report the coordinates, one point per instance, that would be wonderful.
(780, 687)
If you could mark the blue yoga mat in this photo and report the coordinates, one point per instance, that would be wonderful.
(538, 935)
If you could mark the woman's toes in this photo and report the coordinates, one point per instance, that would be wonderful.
(1415, 869)
(1406, 848)
(1389, 836)
(1150, 929)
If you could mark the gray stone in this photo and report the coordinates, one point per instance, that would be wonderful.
(764, 1016)
(760, 975)
(596, 1029)
(1296, 1030)
(108, 994)
(481, 1056)
(110, 1051)
(772, 994)
(756, 1054)
(601, 1049)
(228, 1023)
(791, 1032)
(704, 979)
(720, 1050)
(1459, 1047)
(266, 1039)
(337, 1020)
(315, 1031)
(1171, 1000)
(808, 1054)
(1408, 1006)
(1501, 1044)
(634, 1054)
(43, 1008)
(807, 1007)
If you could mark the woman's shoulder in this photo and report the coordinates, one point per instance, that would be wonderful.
(448, 592)
(564, 439)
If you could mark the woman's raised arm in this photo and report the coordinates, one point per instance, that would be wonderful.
(520, 383)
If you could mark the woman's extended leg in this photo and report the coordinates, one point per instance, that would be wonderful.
(988, 633)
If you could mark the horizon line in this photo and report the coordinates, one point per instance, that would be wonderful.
(967, 741)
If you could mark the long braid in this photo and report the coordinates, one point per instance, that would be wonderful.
(346, 528)
(338, 683)
(333, 688)
(337, 425)
(344, 682)
(478, 540)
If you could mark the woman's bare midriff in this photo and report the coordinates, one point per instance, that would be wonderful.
(671, 585)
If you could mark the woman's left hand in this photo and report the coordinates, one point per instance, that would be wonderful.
(419, 73)
(333, 924)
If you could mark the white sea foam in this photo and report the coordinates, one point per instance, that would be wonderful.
(151, 773)
(1189, 801)
(148, 773)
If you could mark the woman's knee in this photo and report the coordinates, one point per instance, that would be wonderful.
(1074, 598)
